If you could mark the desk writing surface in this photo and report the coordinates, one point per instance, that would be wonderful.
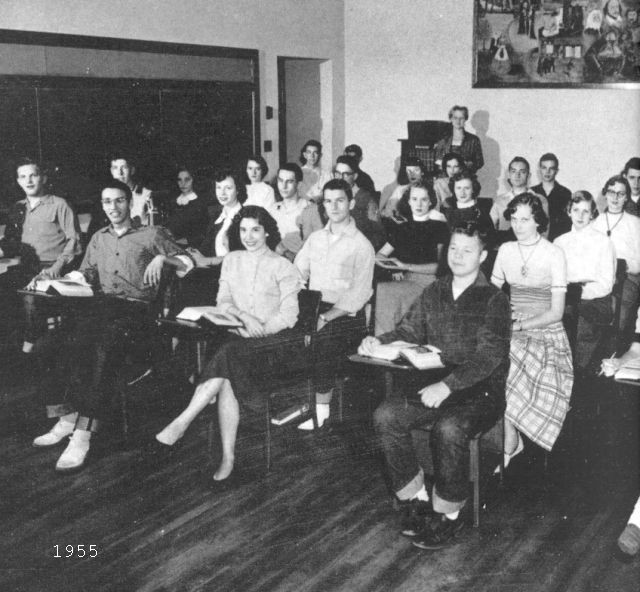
(400, 365)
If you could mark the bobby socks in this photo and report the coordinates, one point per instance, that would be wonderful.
(421, 495)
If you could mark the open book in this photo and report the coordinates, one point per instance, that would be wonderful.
(212, 314)
(64, 287)
(423, 357)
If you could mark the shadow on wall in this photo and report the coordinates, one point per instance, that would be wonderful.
(387, 190)
(490, 174)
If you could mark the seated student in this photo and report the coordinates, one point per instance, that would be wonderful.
(557, 195)
(414, 173)
(591, 261)
(124, 263)
(463, 205)
(451, 164)
(364, 180)
(631, 173)
(470, 321)
(541, 371)
(417, 245)
(518, 179)
(188, 212)
(123, 169)
(313, 176)
(231, 194)
(338, 261)
(261, 288)
(629, 539)
(43, 230)
(288, 209)
(259, 193)
(624, 230)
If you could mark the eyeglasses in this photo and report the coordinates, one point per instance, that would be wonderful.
(343, 174)
(118, 201)
(612, 193)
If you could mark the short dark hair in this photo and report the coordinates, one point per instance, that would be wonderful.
(292, 167)
(617, 179)
(521, 159)
(308, 143)
(459, 108)
(583, 195)
(116, 184)
(474, 228)
(355, 149)
(632, 163)
(533, 201)
(351, 162)
(122, 155)
(241, 189)
(550, 156)
(336, 185)
(404, 209)
(28, 161)
(263, 166)
(461, 176)
(450, 156)
(264, 218)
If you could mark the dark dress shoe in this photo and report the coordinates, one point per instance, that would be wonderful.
(439, 532)
(414, 516)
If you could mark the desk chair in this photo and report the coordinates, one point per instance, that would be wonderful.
(492, 440)
(309, 304)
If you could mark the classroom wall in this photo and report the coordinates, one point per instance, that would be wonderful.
(309, 29)
(412, 60)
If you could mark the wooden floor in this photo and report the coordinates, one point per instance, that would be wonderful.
(321, 521)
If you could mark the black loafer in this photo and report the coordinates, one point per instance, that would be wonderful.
(439, 532)
(414, 516)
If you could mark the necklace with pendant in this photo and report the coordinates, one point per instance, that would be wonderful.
(606, 217)
(524, 270)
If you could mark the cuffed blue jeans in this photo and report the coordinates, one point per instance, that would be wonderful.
(459, 418)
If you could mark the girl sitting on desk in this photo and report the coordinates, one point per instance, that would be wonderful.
(261, 289)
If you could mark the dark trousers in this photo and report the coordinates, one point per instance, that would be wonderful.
(92, 348)
(460, 417)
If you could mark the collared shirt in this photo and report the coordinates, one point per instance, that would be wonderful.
(50, 228)
(632, 207)
(262, 284)
(558, 199)
(500, 204)
(338, 265)
(313, 182)
(591, 259)
(260, 194)
(183, 200)
(225, 219)
(116, 264)
(141, 205)
(625, 235)
(473, 331)
(289, 223)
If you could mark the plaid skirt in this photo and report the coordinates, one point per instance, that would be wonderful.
(539, 383)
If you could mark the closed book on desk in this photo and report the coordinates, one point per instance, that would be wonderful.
(390, 264)
(630, 371)
(422, 357)
(64, 287)
(210, 314)
(289, 414)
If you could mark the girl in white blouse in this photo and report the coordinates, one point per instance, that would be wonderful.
(259, 193)
(261, 288)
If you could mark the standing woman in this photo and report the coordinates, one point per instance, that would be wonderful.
(461, 141)
(261, 288)
(541, 372)
(231, 194)
(188, 216)
(259, 193)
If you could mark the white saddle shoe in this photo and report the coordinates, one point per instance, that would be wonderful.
(55, 435)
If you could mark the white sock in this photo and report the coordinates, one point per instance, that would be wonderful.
(421, 494)
(453, 515)
(323, 410)
(81, 436)
(27, 347)
(68, 418)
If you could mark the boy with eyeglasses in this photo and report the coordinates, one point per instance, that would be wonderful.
(124, 264)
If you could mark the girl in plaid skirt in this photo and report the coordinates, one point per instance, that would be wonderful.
(541, 372)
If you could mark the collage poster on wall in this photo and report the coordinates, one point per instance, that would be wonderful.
(566, 43)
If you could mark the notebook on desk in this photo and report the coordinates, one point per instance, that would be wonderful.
(422, 357)
(210, 314)
(64, 287)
